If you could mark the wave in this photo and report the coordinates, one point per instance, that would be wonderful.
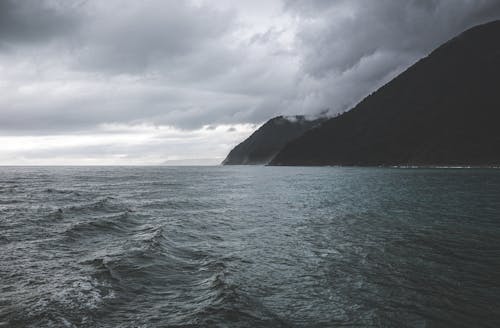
(60, 301)
(116, 223)
(230, 305)
(104, 204)
(62, 191)
(154, 268)
(11, 201)
(103, 269)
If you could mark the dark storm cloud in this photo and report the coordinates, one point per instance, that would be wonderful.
(72, 66)
(34, 21)
(164, 50)
(345, 32)
(355, 46)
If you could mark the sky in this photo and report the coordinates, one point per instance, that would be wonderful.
(169, 82)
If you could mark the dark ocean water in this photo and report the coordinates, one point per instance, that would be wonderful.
(249, 247)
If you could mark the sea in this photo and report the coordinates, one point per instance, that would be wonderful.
(249, 246)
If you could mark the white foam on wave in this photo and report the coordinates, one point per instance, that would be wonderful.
(72, 294)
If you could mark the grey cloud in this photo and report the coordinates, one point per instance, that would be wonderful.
(343, 33)
(182, 66)
(186, 65)
(147, 36)
(133, 103)
(354, 46)
(36, 21)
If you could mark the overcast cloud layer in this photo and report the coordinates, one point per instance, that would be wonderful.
(156, 81)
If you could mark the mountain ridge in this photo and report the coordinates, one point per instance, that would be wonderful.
(443, 110)
(264, 143)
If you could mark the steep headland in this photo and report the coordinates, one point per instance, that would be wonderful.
(269, 139)
(444, 110)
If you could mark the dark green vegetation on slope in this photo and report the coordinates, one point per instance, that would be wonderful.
(444, 110)
(269, 139)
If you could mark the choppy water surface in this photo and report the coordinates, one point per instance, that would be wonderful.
(249, 247)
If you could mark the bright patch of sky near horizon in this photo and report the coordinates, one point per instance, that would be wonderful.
(182, 82)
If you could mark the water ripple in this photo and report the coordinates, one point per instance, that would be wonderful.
(249, 247)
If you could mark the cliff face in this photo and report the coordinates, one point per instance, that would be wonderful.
(444, 110)
(267, 141)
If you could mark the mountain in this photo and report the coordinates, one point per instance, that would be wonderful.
(268, 140)
(444, 110)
